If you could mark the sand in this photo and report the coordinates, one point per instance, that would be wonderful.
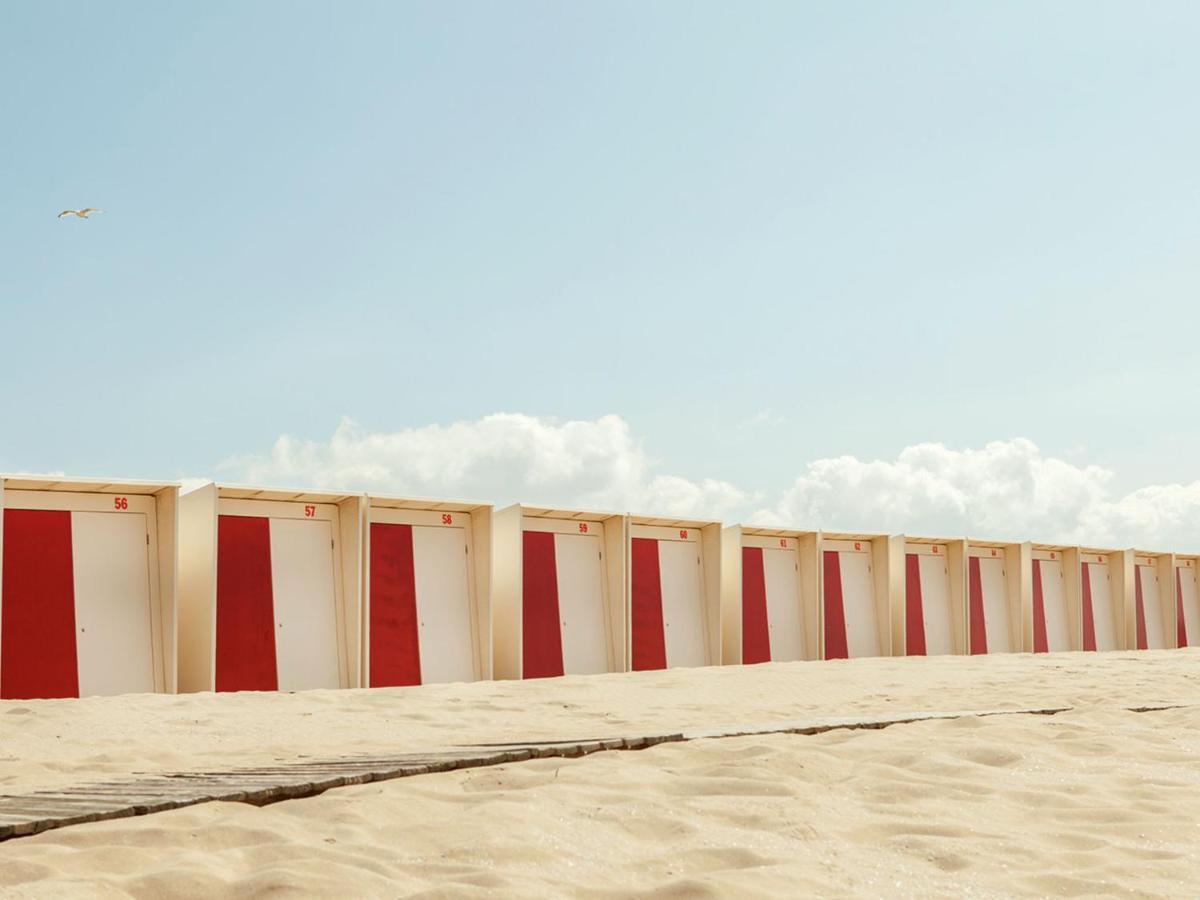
(1095, 801)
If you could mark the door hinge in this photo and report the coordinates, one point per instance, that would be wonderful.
(147, 540)
(331, 543)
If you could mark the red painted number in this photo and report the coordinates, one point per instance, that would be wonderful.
(583, 528)
(309, 512)
(857, 545)
(783, 543)
(683, 534)
(993, 553)
(447, 519)
(936, 550)
(120, 503)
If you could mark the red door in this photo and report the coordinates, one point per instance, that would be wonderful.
(37, 620)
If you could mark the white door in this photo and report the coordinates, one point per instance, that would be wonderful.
(682, 603)
(1054, 605)
(858, 604)
(443, 604)
(1103, 615)
(113, 639)
(995, 605)
(785, 626)
(1191, 604)
(302, 585)
(577, 558)
(1151, 607)
(935, 604)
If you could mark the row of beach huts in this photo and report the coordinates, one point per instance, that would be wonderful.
(121, 587)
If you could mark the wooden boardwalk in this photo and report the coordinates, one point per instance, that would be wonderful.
(142, 794)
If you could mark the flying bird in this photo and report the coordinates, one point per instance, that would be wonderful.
(79, 213)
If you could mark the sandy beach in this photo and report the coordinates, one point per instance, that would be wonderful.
(1098, 800)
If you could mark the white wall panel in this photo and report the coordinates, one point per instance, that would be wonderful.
(581, 603)
(858, 604)
(995, 605)
(302, 586)
(1054, 603)
(443, 604)
(935, 604)
(785, 622)
(113, 631)
(683, 603)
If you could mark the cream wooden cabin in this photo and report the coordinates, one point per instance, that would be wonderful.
(859, 576)
(929, 617)
(1187, 601)
(1150, 618)
(770, 597)
(87, 587)
(270, 589)
(1102, 596)
(994, 596)
(558, 600)
(427, 592)
(674, 593)
(1051, 619)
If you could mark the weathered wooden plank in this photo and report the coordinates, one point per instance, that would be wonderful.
(819, 726)
(146, 793)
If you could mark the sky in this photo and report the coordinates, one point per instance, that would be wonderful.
(926, 267)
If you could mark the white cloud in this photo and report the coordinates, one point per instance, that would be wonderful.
(1162, 516)
(1004, 490)
(503, 457)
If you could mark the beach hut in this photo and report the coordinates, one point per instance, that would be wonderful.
(1051, 619)
(1187, 601)
(856, 591)
(269, 589)
(1150, 619)
(674, 587)
(770, 602)
(558, 601)
(87, 587)
(994, 597)
(427, 615)
(930, 618)
(1102, 599)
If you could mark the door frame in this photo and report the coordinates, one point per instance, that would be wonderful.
(315, 511)
(116, 504)
(589, 527)
(424, 518)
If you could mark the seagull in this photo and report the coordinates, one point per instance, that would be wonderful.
(79, 213)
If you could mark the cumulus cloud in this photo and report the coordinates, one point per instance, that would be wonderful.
(1003, 490)
(1165, 516)
(504, 457)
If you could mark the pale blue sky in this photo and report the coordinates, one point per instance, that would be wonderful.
(885, 223)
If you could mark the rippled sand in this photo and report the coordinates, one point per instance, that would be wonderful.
(1098, 800)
